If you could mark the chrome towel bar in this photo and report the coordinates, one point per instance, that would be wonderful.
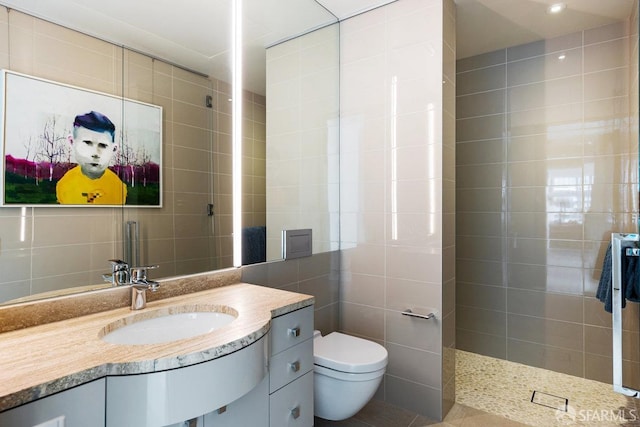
(409, 312)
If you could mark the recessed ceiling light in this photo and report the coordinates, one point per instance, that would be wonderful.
(556, 8)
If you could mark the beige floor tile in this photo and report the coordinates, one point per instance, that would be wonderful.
(351, 422)
(382, 414)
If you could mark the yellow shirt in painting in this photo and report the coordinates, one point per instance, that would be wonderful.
(74, 188)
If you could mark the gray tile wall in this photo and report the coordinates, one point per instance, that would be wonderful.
(317, 275)
(546, 169)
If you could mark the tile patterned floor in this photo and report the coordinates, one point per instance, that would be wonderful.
(505, 388)
(496, 393)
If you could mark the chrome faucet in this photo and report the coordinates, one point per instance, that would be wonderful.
(136, 277)
(139, 286)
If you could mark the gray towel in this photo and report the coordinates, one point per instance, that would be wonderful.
(604, 286)
(254, 245)
(630, 278)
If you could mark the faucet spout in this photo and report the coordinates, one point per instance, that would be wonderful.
(139, 293)
(140, 285)
(138, 297)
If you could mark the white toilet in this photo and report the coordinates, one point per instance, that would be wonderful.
(347, 373)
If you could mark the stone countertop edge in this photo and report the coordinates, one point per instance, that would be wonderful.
(23, 378)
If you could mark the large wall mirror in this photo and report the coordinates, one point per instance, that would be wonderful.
(179, 58)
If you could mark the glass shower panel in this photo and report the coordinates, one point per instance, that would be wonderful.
(180, 236)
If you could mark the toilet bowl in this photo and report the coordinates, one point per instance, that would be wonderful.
(347, 373)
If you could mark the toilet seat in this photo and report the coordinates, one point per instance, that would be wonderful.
(346, 353)
(348, 376)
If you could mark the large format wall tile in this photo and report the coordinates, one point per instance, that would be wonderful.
(397, 189)
(545, 174)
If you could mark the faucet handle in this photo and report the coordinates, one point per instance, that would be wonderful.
(140, 273)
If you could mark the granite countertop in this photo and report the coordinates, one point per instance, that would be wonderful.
(42, 360)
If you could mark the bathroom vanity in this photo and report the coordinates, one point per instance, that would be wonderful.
(257, 370)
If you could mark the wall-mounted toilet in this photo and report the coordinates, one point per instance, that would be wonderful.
(347, 373)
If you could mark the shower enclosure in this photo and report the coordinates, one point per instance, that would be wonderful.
(547, 170)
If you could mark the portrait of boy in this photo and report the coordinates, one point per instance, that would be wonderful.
(91, 181)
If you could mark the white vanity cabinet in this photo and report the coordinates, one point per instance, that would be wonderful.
(80, 406)
(285, 397)
(256, 378)
(291, 369)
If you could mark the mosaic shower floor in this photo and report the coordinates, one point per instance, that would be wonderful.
(505, 388)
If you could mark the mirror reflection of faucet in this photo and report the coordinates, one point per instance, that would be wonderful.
(119, 275)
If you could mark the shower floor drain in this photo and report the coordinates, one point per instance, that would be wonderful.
(550, 401)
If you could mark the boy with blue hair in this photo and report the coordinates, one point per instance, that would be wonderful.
(91, 182)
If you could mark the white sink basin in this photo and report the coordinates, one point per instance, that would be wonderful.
(164, 327)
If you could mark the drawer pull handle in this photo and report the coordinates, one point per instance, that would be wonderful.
(222, 409)
(294, 332)
(295, 412)
(294, 366)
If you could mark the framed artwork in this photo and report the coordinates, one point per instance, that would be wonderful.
(67, 146)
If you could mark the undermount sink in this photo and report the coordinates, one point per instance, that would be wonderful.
(166, 325)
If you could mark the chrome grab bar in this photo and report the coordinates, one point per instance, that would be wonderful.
(411, 313)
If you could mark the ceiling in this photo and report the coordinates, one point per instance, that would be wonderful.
(487, 25)
(196, 35)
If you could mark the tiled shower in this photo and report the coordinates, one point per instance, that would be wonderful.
(547, 169)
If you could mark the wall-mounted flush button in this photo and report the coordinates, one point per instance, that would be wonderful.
(296, 243)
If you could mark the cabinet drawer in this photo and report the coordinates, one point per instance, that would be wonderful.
(290, 364)
(81, 406)
(250, 410)
(291, 329)
(293, 405)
